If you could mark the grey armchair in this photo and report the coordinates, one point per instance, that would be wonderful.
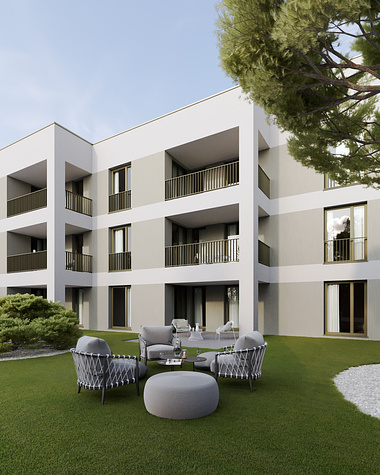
(155, 340)
(98, 369)
(242, 361)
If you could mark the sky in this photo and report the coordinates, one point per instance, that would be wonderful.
(99, 68)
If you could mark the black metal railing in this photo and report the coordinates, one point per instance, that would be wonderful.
(29, 261)
(120, 261)
(120, 201)
(78, 262)
(264, 254)
(28, 202)
(201, 181)
(78, 203)
(346, 250)
(209, 252)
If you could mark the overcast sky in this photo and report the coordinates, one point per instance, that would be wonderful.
(99, 68)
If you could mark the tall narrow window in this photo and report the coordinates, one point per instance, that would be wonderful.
(345, 232)
(345, 308)
(120, 197)
(121, 307)
(233, 305)
(120, 256)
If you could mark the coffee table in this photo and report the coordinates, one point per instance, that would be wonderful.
(166, 357)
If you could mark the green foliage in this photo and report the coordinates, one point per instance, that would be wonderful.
(292, 57)
(26, 320)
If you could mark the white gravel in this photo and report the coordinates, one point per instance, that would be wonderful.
(361, 386)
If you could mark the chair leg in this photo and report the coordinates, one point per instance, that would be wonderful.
(250, 382)
(78, 389)
(103, 394)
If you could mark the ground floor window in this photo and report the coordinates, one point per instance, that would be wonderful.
(232, 310)
(121, 307)
(345, 308)
(77, 302)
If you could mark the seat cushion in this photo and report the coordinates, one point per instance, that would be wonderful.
(224, 361)
(157, 335)
(90, 344)
(155, 350)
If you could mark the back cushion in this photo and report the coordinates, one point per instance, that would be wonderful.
(155, 335)
(249, 340)
(90, 344)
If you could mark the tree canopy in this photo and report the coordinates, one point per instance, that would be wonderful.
(314, 65)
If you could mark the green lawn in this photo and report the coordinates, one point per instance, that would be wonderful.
(295, 421)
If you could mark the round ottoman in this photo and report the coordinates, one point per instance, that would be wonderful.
(181, 395)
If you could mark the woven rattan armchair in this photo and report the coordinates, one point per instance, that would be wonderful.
(103, 371)
(242, 361)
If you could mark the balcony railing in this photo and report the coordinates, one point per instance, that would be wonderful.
(27, 262)
(264, 182)
(202, 181)
(120, 261)
(209, 252)
(120, 201)
(78, 203)
(346, 250)
(264, 254)
(28, 202)
(78, 262)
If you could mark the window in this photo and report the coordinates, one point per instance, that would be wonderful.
(120, 197)
(345, 308)
(120, 256)
(121, 307)
(345, 234)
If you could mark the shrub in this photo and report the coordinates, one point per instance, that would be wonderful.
(27, 319)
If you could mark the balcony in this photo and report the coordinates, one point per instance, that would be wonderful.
(120, 261)
(78, 203)
(119, 201)
(264, 182)
(78, 262)
(28, 202)
(209, 252)
(27, 262)
(264, 254)
(205, 180)
(346, 250)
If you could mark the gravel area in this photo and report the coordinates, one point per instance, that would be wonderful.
(22, 353)
(361, 386)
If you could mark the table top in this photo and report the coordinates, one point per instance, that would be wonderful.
(191, 359)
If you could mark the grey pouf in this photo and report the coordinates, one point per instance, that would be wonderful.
(181, 395)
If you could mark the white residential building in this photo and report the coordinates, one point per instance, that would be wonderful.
(199, 214)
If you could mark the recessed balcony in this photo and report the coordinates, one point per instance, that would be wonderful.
(78, 262)
(209, 252)
(78, 203)
(29, 261)
(27, 202)
(201, 181)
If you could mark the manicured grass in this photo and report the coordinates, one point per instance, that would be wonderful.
(295, 421)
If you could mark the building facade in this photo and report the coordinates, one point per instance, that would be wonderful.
(199, 214)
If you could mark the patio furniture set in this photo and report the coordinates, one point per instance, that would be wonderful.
(173, 394)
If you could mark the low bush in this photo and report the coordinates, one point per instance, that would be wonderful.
(27, 320)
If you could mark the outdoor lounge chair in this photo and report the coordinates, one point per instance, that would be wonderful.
(242, 361)
(181, 325)
(98, 368)
(226, 328)
(155, 340)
